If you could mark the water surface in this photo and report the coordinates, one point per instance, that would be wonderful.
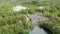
(38, 30)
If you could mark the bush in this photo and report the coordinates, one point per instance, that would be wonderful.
(50, 26)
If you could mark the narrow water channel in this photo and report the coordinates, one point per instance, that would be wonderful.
(38, 30)
(36, 18)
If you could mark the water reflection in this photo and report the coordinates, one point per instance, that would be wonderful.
(38, 30)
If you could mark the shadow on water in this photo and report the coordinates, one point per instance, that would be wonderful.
(47, 30)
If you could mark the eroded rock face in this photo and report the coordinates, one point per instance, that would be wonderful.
(37, 17)
(18, 8)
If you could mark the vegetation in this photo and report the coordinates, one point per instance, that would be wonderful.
(16, 23)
